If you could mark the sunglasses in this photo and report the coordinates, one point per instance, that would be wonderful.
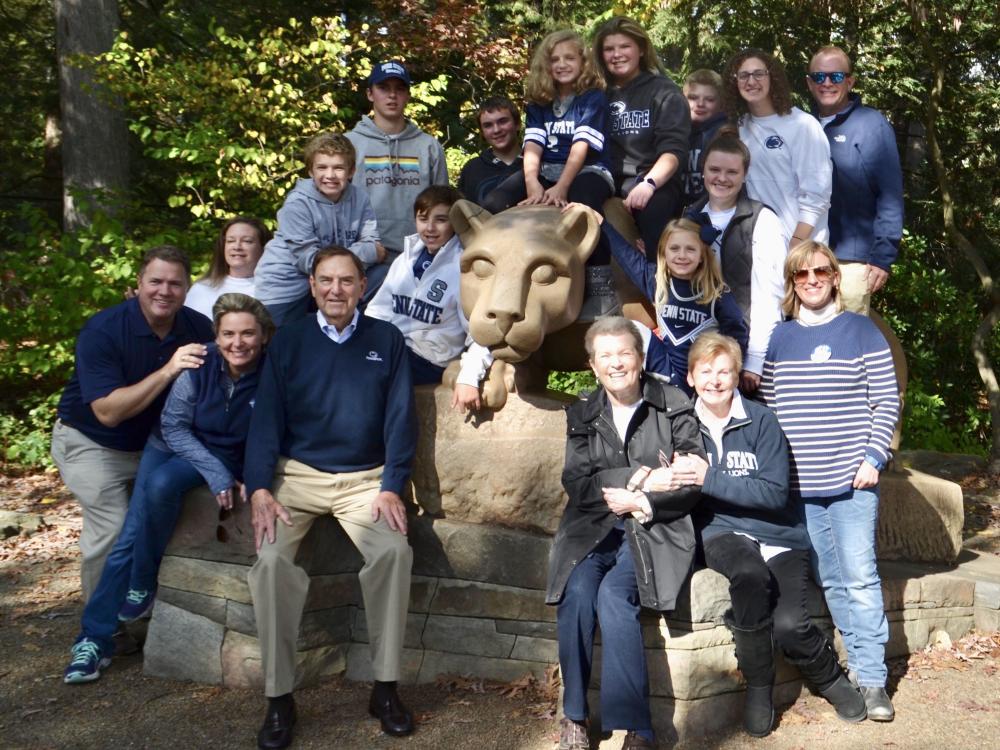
(819, 77)
(822, 274)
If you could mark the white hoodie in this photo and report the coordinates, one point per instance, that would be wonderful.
(427, 310)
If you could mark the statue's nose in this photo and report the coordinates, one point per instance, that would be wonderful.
(504, 319)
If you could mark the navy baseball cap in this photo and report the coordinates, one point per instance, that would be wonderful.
(386, 70)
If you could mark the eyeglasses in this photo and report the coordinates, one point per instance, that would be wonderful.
(836, 77)
(822, 274)
(758, 75)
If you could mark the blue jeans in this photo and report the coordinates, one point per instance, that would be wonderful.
(134, 561)
(842, 531)
(602, 588)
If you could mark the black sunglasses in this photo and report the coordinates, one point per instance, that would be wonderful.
(819, 77)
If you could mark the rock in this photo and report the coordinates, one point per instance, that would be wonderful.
(13, 523)
(466, 635)
(500, 468)
(174, 631)
(951, 466)
(940, 640)
(471, 551)
(920, 518)
(471, 599)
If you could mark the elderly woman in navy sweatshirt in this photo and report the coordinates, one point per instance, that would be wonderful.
(753, 534)
(204, 427)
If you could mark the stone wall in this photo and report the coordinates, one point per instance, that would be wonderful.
(490, 496)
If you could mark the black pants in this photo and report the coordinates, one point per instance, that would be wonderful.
(664, 205)
(760, 591)
(587, 188)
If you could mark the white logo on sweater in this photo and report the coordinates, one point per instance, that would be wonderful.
(373, 357)
(821, 353)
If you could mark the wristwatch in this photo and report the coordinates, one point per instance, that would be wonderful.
(651, 181)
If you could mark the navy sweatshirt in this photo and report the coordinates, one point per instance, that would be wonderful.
(335, 407)
(746, 488)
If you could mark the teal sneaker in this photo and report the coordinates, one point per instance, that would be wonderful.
(86, 664)
(138, 604)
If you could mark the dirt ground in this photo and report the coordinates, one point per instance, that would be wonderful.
(945, 698)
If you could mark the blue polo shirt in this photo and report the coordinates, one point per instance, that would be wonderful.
(117, 348)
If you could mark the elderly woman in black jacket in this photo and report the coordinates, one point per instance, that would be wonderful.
(625, 540)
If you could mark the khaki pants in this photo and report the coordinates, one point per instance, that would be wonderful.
(279, 586)
(101, 479)
(854, 287)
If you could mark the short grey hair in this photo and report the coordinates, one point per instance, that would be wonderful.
(613, 325)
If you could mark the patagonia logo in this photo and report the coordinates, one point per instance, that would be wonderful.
(373, 357)
(774, 141)
(821, 353)
(840, 138)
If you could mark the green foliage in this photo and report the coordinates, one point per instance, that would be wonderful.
(573, 383)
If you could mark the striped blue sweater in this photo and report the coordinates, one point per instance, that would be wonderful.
(833, 388)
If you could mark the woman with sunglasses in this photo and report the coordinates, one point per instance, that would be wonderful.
(790, 168)
(829, 377)
(203, 430)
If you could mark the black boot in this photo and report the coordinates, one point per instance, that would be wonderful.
(599, 296)
(825, 673)
(755, 654)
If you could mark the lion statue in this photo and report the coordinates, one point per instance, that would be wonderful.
(522, 290)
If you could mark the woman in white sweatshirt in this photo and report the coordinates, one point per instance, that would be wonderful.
(790, 167)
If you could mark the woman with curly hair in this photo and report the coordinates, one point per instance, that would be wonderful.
(790, 168)
(649, 128)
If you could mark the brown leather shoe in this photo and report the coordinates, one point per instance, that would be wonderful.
(634, 742)
(573, 736)
(395, 718)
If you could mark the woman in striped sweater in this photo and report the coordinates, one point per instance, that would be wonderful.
(828, 375)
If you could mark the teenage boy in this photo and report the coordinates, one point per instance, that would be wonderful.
(396, 159)
(127, 356)
(499, 124)
(866, 208)
(323, 210)
(703, 89)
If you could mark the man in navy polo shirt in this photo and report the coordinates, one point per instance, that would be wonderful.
(126, 358)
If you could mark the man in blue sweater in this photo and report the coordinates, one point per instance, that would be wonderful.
(333, 433)
(866, 210)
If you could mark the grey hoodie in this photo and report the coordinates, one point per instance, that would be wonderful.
(307, 222)
(393, 170)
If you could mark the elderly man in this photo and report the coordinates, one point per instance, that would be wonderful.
(499, 124)
(333, 433)
(127, 356)
(866, 212)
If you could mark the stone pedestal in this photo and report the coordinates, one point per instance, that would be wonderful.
(490, 497)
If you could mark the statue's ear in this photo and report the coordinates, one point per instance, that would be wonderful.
(467, 218)
(580, 229)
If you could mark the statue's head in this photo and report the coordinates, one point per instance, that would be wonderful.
(522, 273)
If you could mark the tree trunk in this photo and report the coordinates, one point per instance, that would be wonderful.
(94, 133)
(980, 340)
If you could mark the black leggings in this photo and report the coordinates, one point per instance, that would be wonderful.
(587, 188)
(664, 205)
(776, 589)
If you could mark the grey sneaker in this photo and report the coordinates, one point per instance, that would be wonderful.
(573, 736)
(878, 703)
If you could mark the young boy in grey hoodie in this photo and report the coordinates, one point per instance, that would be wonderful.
(324, 210)
(396, 159)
